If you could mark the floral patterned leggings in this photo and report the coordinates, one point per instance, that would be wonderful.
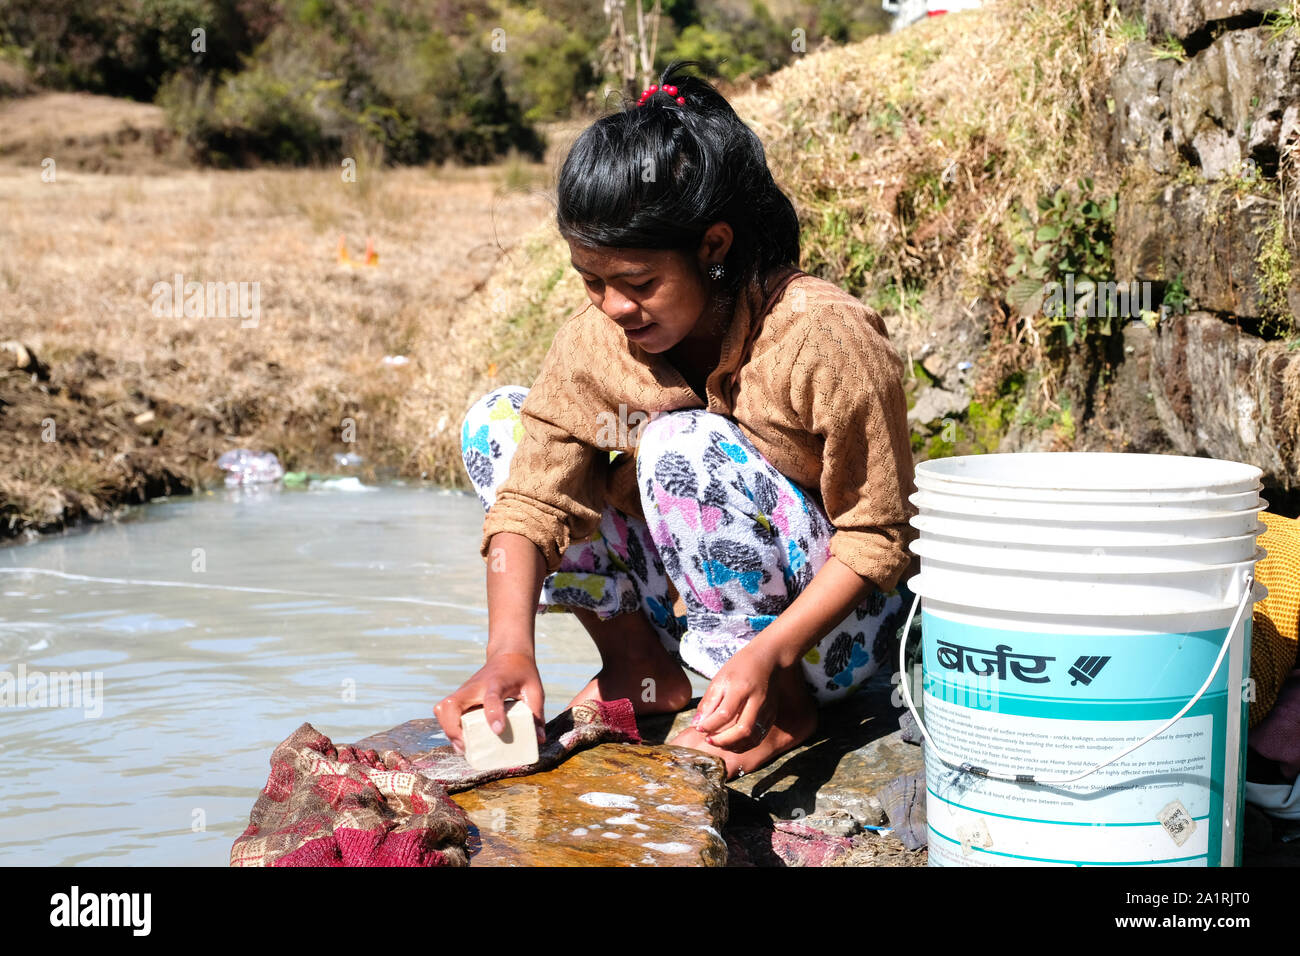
(738, 540)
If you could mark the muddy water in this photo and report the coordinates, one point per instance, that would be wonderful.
(182, 643)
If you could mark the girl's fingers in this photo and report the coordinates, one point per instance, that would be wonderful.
(744, 733)
(724, 713)
(533, 696)
(712, 695)
(448, 713)
(494, 708)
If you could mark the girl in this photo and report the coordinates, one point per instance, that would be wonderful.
(721, 426)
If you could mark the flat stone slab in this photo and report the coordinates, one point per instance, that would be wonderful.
(856, 750)
(611, 805)
(807, 808)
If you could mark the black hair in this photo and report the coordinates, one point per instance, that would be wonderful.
(657, 175)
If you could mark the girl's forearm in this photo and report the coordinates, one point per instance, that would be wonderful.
(829, 597)
(515, 570)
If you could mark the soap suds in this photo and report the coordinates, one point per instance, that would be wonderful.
(628, 820)
(668, 847)
(609, 801)
(675, 808)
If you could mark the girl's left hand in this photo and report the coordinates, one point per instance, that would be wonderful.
(736, 712)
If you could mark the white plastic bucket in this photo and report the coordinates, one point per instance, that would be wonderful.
(1082, 495)
(1091, 512)
(1099, 594)
(1083, 476)
(1085, 535)
(1058, 634)
(1169, 507)
(1098, 559)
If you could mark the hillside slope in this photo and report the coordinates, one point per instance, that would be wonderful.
(1142, 146)
(919, 163)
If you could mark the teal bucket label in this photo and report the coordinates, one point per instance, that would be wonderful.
(1057, 704)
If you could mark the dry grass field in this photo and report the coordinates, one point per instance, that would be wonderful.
(129, 403)
(904, 154)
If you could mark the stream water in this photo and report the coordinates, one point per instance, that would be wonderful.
(184, 641)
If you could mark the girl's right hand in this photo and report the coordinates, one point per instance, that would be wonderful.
(506, 675)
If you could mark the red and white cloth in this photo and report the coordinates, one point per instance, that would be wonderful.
(338, 806)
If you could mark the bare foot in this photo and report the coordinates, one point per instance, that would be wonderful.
(634, 664)
(795, 722)
(653, 687)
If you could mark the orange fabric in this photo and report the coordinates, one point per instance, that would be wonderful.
(1273, 636)
(812, 381)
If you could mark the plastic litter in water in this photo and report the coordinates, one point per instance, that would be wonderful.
(343, 484)
(245, 467)
(300, 479)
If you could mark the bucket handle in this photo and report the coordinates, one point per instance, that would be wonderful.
(967, 767)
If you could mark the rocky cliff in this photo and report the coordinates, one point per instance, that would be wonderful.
(1207, 145)
(1196, 125)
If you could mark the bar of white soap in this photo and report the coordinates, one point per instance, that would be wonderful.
(516, 746)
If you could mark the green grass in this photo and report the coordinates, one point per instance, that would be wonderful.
(1131, 30)
(1273, 266)
(1170, 48)
(834, 241)
(893, 299)
(1282, 21)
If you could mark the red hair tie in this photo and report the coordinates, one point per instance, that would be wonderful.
(654, 88)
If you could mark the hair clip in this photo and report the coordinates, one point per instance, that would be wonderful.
(654, 88)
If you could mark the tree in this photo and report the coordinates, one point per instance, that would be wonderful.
(630, 56)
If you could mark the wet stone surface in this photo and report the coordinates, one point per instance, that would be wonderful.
(612, 805)
(856, 749)
(810, 806)
(659, 805)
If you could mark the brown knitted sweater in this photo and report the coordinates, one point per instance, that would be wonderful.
(814, 383)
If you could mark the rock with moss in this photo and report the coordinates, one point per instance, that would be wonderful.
(1210, 235)
(1184, 19)
(1140, 92)
(1223, 393)
(1237, 101)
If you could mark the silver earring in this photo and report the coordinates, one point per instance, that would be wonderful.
(716, 271)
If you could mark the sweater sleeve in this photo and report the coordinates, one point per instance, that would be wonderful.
(846, 387)
(554, 492)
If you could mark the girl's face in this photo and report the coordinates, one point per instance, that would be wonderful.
(656, 296)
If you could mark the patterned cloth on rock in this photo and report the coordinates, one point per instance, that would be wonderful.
(904, 801)
(723, 528)
(328, 806)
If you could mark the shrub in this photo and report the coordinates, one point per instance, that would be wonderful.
(129, 47)
(333, 76)
(1071, 233)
